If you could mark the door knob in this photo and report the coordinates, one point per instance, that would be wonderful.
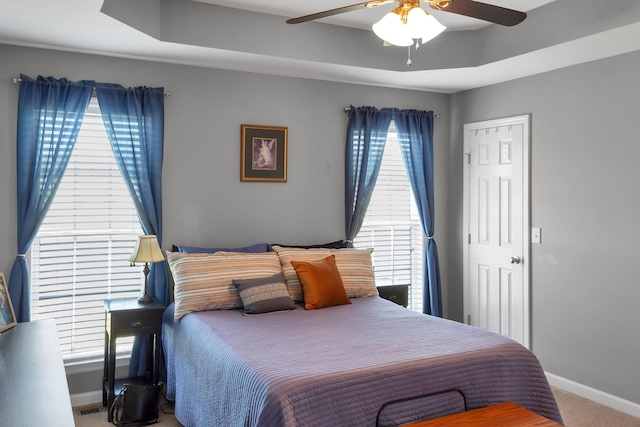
(514, 260)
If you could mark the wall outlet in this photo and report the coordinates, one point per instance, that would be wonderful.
(536, 235)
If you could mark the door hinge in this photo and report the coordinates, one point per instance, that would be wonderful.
(469, 239)
(468, 319)
(468, 156)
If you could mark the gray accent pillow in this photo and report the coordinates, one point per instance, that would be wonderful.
(264, 295)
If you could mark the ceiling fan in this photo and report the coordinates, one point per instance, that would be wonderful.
(409, 21)
(473, 9)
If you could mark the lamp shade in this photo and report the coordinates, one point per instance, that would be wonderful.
(423, 26)
(392, 30)
(146, 250)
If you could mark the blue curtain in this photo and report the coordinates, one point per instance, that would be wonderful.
(134, 119)
(415, 135)
(366, 134)
(50, 114)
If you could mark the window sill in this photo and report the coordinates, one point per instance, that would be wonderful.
(93, 363)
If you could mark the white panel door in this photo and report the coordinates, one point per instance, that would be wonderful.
(496, 272)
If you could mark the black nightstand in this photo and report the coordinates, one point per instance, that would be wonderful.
(126, 317)
(396, 293)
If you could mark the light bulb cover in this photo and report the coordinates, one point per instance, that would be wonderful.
(431, 30)
(391, 29)
(417, 20)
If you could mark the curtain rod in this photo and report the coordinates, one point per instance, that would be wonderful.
(347, 109)
(17, 80)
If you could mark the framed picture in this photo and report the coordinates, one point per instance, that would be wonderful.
(7, 315)
(263, 153)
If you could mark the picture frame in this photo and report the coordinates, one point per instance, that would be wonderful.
(7, 315)
(263, 153)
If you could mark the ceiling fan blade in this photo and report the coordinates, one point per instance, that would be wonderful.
(338, 10)
(484, 11)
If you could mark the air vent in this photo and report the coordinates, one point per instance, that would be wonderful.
(89, 411)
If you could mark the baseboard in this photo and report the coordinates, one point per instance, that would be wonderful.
(601, 397)
(85, 399)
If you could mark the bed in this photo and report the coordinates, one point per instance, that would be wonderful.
(366, 363)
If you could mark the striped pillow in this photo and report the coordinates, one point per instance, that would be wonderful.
(354, 266)
(205, 281)
(264, 295)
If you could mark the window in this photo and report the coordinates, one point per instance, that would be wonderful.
(80, 255)
(392, 225)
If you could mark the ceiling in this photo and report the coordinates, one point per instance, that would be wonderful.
(252, 36)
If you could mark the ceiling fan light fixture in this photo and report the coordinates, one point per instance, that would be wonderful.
(408, 22)
(392, 30)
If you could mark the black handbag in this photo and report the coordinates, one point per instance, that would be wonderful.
(136, 405)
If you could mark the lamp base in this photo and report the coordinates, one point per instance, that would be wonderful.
(145, 299)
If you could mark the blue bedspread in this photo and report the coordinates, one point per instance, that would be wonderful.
(339, 366)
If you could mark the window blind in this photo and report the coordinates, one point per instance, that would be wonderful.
(80, 255)
(392, 226)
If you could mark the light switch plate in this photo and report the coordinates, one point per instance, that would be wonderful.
(536, 235)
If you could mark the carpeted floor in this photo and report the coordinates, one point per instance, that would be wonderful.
(96, 416)
(580, 412)
(576, 412)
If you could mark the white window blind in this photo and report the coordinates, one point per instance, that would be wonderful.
(392, 226)
(79, 257)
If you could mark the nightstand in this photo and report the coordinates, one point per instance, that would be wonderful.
(126, 317)
(396, 293)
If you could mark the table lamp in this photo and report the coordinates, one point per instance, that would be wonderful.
(146, 250)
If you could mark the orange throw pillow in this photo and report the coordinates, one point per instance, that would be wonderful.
(321, 283)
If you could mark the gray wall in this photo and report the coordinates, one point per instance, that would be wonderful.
(203, 199)
(585, 195)
(585, 192)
